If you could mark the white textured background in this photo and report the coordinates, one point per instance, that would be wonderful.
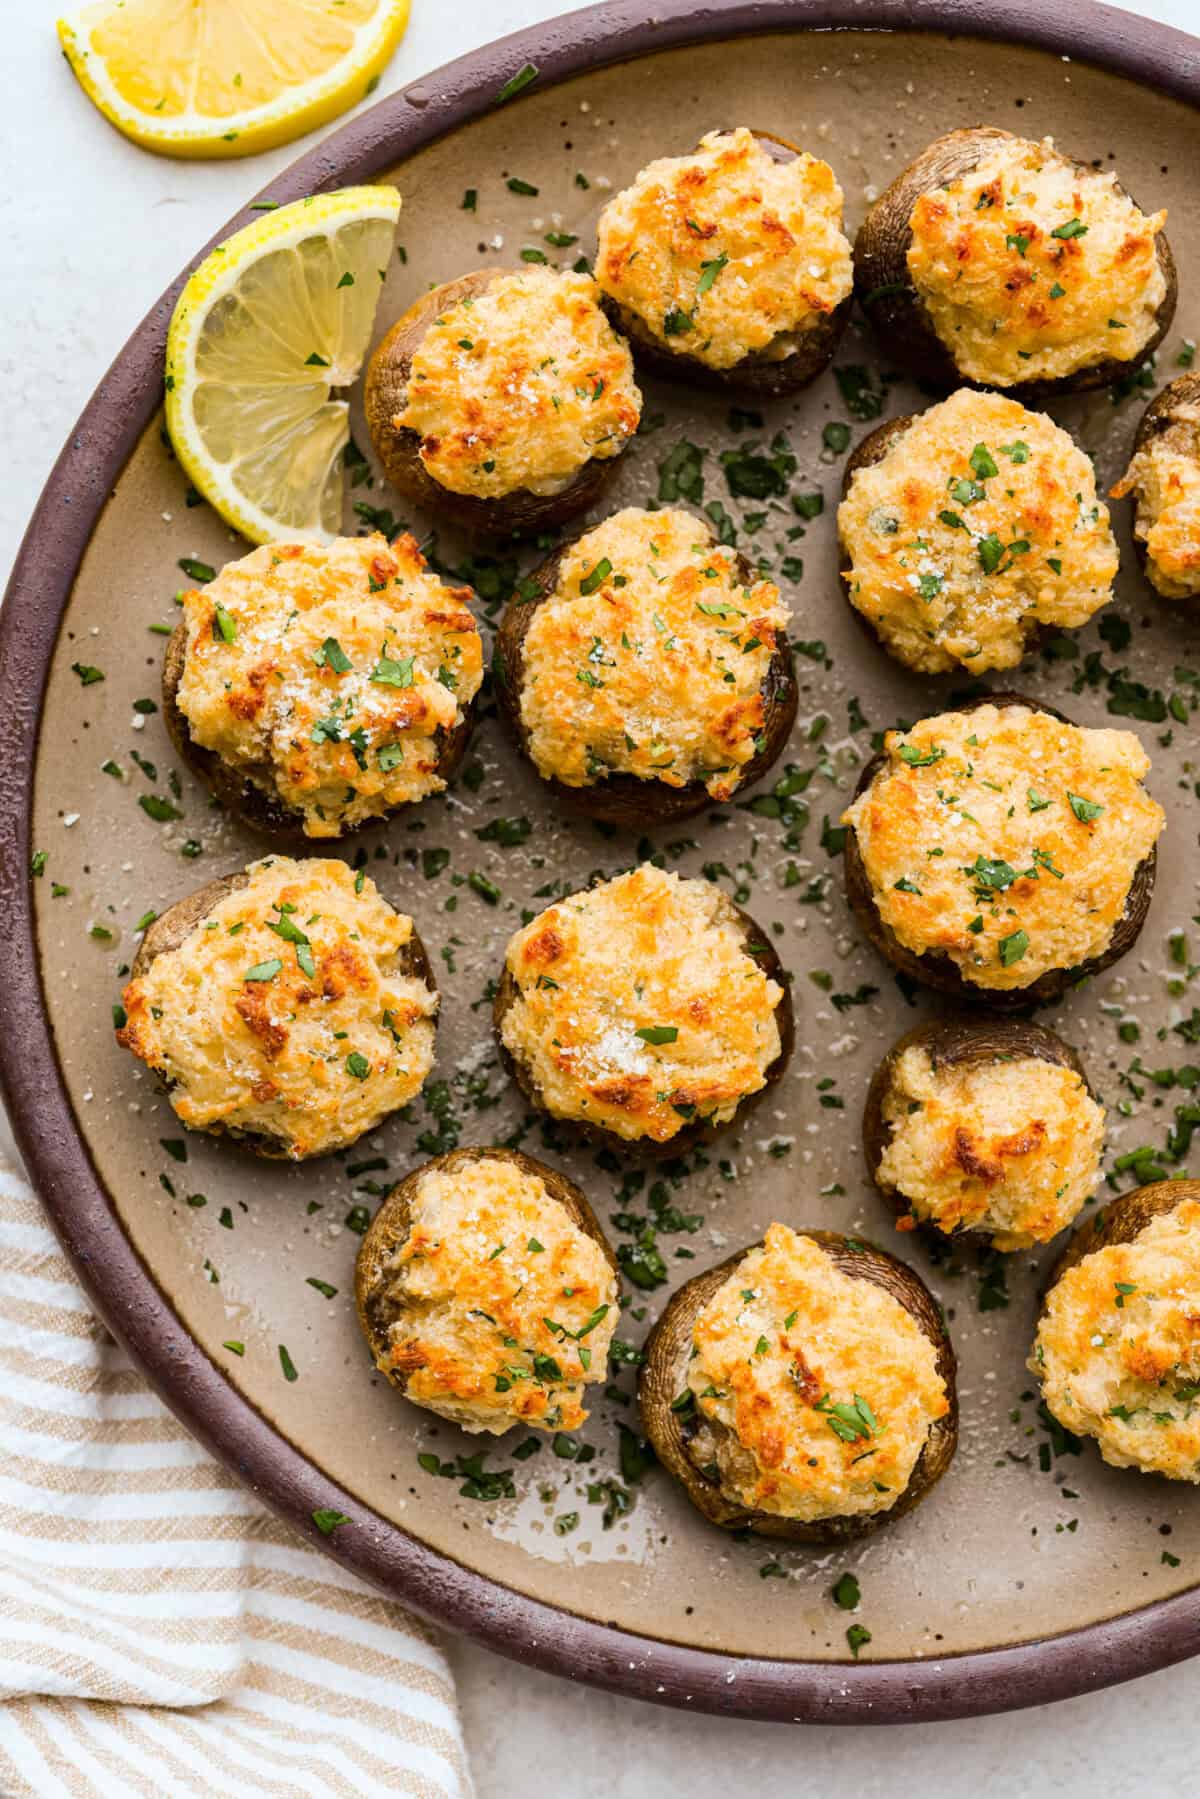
(91, 230)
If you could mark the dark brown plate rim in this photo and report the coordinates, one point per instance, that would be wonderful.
(56, 1150)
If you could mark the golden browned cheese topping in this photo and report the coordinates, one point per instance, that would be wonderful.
(331, 673)
(1010, 1147)
(819, 1389)
(286, 1012)
(727, 253)
(1005, 839)
(1164, 478)
(980, 524)
(520, 386)
(1032, 269)
(1118, 1348)
(638, 1007)
(649, 657)
(504, 1307)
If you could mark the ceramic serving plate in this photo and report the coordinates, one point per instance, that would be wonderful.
(1033, 1571)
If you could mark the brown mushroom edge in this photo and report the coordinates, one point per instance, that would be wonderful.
(1157, 421)
(873, 448)
(171, 929)
(517, 514)
(392, 1223)
(938, 971)
(888, 298)
(624, 800)
(757, 374)
(250, 793)
(697, 1131)
(966, 1042)
(662, 1380)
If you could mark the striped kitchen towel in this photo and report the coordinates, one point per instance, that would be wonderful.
(160, 1633)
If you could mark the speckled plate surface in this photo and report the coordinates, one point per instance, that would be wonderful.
(1031, 1572)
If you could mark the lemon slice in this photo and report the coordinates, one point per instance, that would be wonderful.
(269, 324)
(228, 77)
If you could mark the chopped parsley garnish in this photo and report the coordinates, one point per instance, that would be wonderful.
(846, 1592)
(517, 83)
(991, 553)
(390, 672)
(983, 463)
(595, 576)
(709, 272)
(1085, 810)
(332, 655)
(1013, 947)
(224, 625)
(851, 1422)
(195, 570)
(992, 874)
(263, 971)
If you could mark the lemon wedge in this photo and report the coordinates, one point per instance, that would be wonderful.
(228, 77)
(267, 327)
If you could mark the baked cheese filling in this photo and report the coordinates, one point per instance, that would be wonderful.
(504, 1307)
(1005, 839)
(1010, 1147)
(286, 1012)
(727, 253)
(332, 674)
(649, 658)
(1032, 269)
(1118, 1348)
(980, 524)
(816, 1391)
(638, 1008)
(519, 387)
(1164, 478)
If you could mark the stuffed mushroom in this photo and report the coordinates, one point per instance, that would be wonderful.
(1117, 1352)
(984, 1128)
(488, 1292)
(647, 674)
(1163, 480)
(647, 1010)
(968, 530)
(502, 400)
(997, 260)
(318, 687)
(729, 267)
(1001, 853)
(288, 1006)
(804, 1388)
